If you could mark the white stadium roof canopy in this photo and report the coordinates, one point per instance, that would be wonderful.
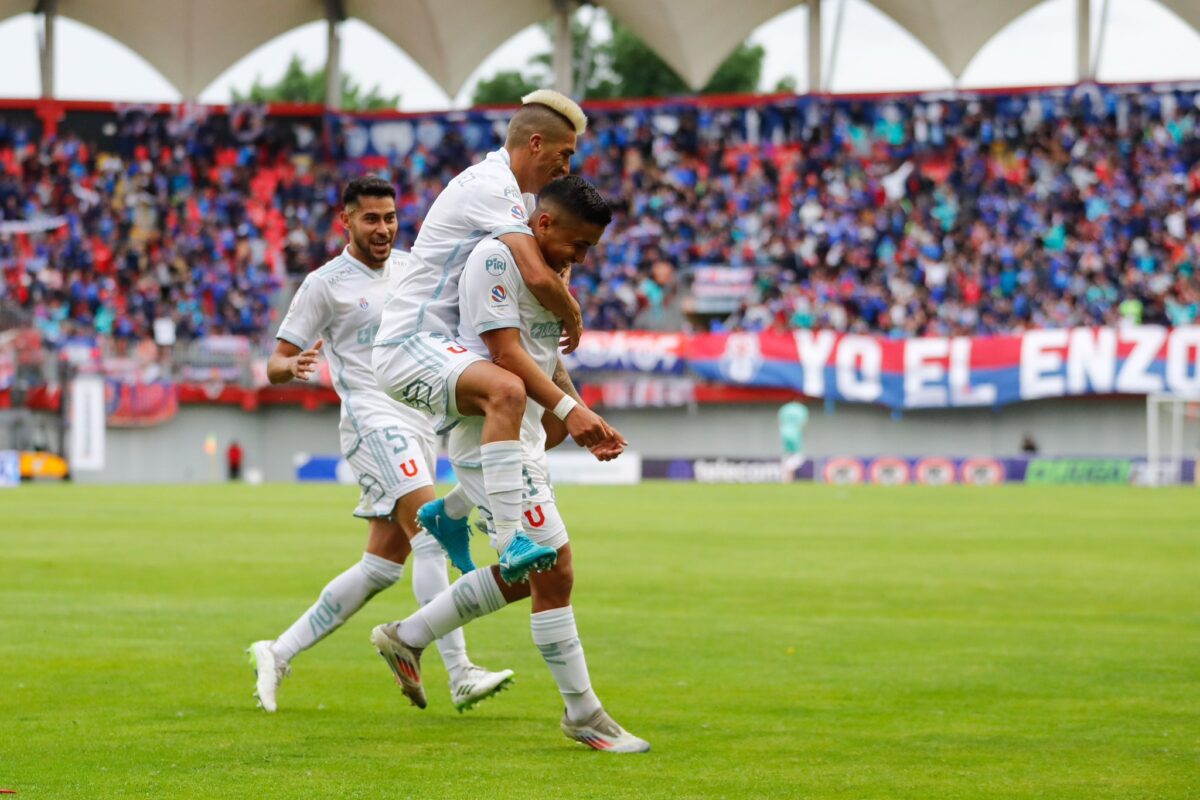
(191, 42)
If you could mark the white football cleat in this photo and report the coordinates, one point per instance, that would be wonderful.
(269, 670)
(601, 732)
(404, 661)
(477, 684)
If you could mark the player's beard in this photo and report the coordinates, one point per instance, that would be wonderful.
(367, 247)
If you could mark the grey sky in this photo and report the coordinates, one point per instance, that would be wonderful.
(1144, 42)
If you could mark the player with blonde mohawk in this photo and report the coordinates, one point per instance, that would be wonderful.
(416, 358)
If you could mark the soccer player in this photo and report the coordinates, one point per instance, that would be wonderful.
(793, 416)
(391, 448)
(416, 357)
(502, 319)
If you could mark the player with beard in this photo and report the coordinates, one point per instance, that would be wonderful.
(390, 447)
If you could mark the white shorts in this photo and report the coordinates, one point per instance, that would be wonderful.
(541, 521)
(388, 464)
(421, 371)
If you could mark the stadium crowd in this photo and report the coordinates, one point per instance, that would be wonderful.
(895, 216)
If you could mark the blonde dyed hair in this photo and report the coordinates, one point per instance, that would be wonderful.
(560, 104)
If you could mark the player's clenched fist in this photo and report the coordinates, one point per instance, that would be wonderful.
(304, 364)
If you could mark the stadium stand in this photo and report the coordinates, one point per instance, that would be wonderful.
(898, 215)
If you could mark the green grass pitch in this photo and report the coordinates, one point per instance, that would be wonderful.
(769, 641)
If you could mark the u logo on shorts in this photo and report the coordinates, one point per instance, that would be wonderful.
(411, 464)
(541, 517)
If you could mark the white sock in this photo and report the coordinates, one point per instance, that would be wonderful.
(470, 597)
(458, 505)
(338, 601)
(501, 462)
(555, 635)
(429, 579)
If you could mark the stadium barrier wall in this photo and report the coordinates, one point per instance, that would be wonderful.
(580, 468)
(916, 470)
(277, 438)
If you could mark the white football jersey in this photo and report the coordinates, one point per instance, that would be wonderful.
(483, 200)
(341, 303)
(493, 295)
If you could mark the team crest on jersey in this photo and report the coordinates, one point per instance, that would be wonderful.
(496, 266)
(498, 294)
(362, 303)
(518, 212)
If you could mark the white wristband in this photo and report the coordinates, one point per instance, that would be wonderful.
(565, 406)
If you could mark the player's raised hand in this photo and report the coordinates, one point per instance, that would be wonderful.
(305, 363)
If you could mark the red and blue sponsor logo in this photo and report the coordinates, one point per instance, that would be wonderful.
(498, 293)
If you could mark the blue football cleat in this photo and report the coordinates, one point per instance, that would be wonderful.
(523, 556)
(454, 535)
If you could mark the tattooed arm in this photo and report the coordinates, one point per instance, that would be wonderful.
(562, 379)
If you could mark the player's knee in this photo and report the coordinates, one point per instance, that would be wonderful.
(507, 397)
(389, 540)
(405, 512)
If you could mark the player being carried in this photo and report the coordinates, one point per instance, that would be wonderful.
(416, 357)
(390, 447)
(503, 320)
